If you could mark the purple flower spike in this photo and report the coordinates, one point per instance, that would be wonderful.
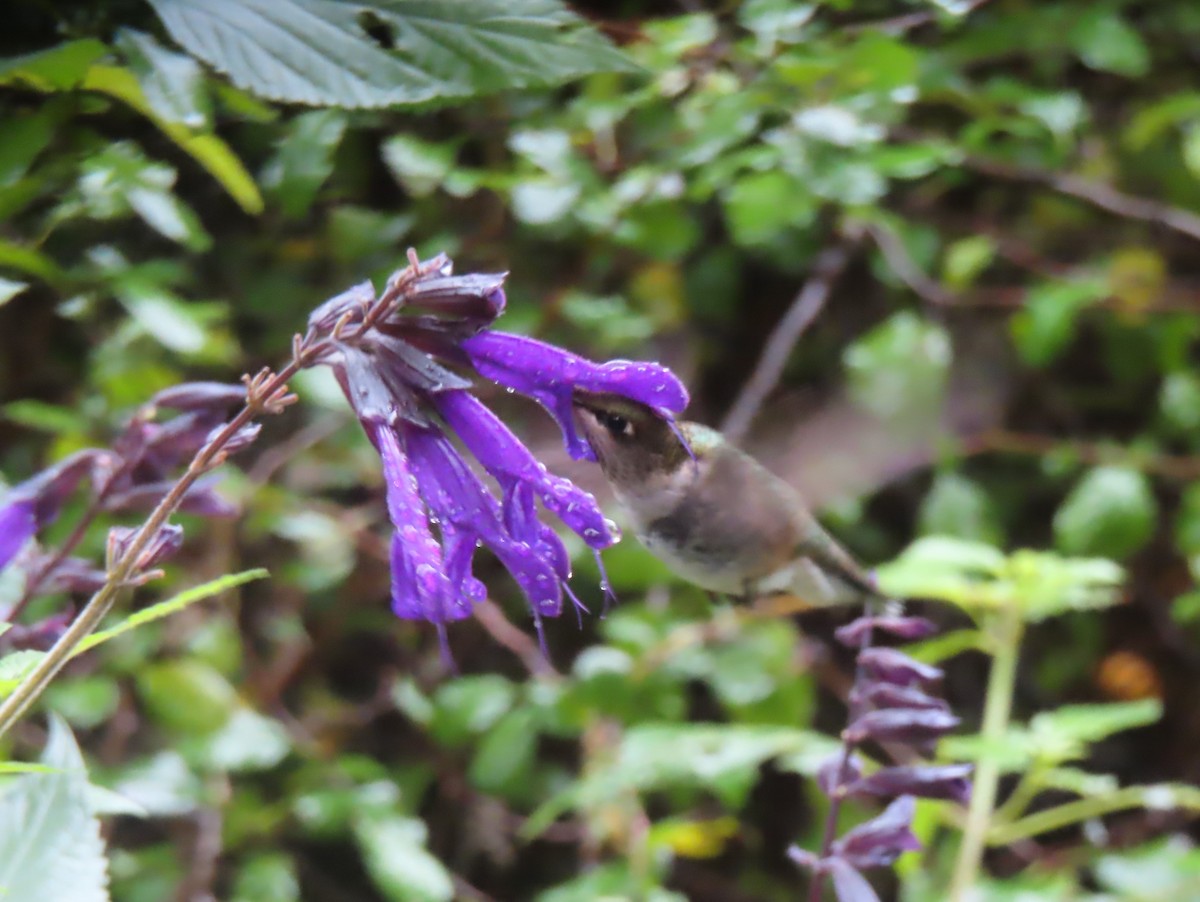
(17, 526)
(549, 375)
(881, 840)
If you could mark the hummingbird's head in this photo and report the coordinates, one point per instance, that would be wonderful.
(632, 441)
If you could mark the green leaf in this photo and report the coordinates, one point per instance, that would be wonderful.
(761, 205)
(506, 754)
(304, 160)
(187, 696)
(722, 759)
(15, 666)
(267, 877)
(325, 52)
(1091, 723)
(958, 506)
(1046, 324)
(900, 365)
(172, 83)
(57, 69)
(1110, 512)
(206, 149)
(394, 852)
(469, 705)
(1104, 41)
(247, 743)
(50, 843)
(171, 605)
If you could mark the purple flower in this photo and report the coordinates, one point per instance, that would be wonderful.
(881, 840)
(946, 781)
(35, 503)
(549, 375)
(17, 526)
(401, 360)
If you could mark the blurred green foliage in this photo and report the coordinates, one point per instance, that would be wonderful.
(1010, 360)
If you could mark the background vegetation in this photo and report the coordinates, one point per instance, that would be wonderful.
(979, 219)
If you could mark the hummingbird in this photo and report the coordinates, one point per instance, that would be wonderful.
(712, 513)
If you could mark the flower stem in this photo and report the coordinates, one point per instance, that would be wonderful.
(1005, 636)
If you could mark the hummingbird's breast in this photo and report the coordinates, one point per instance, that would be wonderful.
(723, 524)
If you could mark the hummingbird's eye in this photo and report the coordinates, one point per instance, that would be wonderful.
(617, 425)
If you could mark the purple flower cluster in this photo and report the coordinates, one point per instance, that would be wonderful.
(889, 705)
(399, 359)
(133, 475)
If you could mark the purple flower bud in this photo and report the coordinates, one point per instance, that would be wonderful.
(892, 666)
(848, 884)
(165, 543)
(881, 840)
(37, 636)
(910, 725)
(218, 396)
(901, 627)
(240, 440)
(353, 301)
(477, 298)
(889, 695)
(949, 781)
(73, 574)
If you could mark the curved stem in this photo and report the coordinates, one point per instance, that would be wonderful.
(1006, 642)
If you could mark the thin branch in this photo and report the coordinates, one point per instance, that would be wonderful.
(905, 268)
(829, 265)
(1098, 194)
(492, 619)
(898, 25)
(1185, 468)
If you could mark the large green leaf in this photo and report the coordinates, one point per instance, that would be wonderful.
(326, 52)
(50, 845)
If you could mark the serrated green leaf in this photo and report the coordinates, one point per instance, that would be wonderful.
(325, 52)
(50, 844)
(175, 603)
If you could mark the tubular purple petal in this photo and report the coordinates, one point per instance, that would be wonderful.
(17, 526)
(881, 840)
(887, 695)
(912, 725)
(456, 495)
(507, 459)
(830, 776)
(549, 375)
(848, 884)
(200, 396)
(892, 666)
(901, 627)
(951, 782)
(420, 587)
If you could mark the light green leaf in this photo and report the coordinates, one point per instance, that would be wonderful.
(1104, 41)
(248, 742)
(900, 365)
(958, 506)
(394, 852)
(469, 705)
(50, 844)
(15, 666)
(420, 166)
(304, 159)
(325, 52)
(187, 696)
(56, 69)
(1046, 324)
(1110, 512)
(171, 605)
